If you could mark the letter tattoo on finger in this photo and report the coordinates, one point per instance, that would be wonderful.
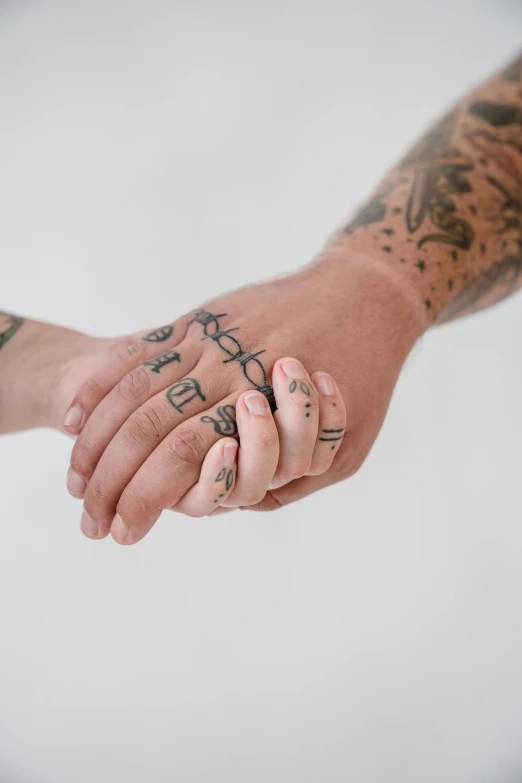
(159, 335)
(158, 362)
(225, 423)
(184, 392)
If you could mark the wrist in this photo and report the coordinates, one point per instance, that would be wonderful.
(32, 365)
(384, 295)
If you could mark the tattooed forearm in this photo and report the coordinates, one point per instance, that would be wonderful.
(252, 367)
(159, 362)
(159, 335)
(449, 216)
(9, 325)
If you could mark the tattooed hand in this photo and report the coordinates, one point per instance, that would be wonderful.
(146, 420)
(441, 237)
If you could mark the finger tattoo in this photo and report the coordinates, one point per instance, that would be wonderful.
(159, 335)
(183, 392)
(329, 435)
(9, 325)
(159, 362)
(225, 423)
(227, 477)
(253, 369)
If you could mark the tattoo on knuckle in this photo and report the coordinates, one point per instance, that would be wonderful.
(251, 366)
(333, 436)
(159, 335)
(158, 362)
(226, 480)
(183, 392)
(225, 421)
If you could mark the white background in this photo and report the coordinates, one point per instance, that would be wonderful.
(153, 154)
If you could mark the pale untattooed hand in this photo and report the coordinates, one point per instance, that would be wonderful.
(157, 421)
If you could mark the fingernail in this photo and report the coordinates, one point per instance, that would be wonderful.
(75, 483)
(293, 368)
(324, 384)
(256, 403)
(73, 417)
(118, 530)
(88, 526)
(229, 453)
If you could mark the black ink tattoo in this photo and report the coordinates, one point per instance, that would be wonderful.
(159, 362)
(252, 367)
(225, 424)
(302, 386)
(499, 281)
(188, 388)
(159, 335)
(228, 477)
(440, 175)
(432, 196)
(332, 434)
(497, 114)
(510, 210)
(513, 73)
(372, 212)
(229, 480)
(9, 325)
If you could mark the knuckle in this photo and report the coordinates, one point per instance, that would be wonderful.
(319, 467)
(294, 469)
(90, 389)
(186, 445)
(135, 385)
(128, 349)
(194, 514)
(267, 440)
(80, 455)
(146, 426)
(354, 466)
(252, 499)
(96, 493)
(352, 463)
(132, 506)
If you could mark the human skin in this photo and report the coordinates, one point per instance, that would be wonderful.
(440, 238)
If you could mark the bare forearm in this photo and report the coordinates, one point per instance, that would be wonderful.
(33, 359)
(448, 217)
